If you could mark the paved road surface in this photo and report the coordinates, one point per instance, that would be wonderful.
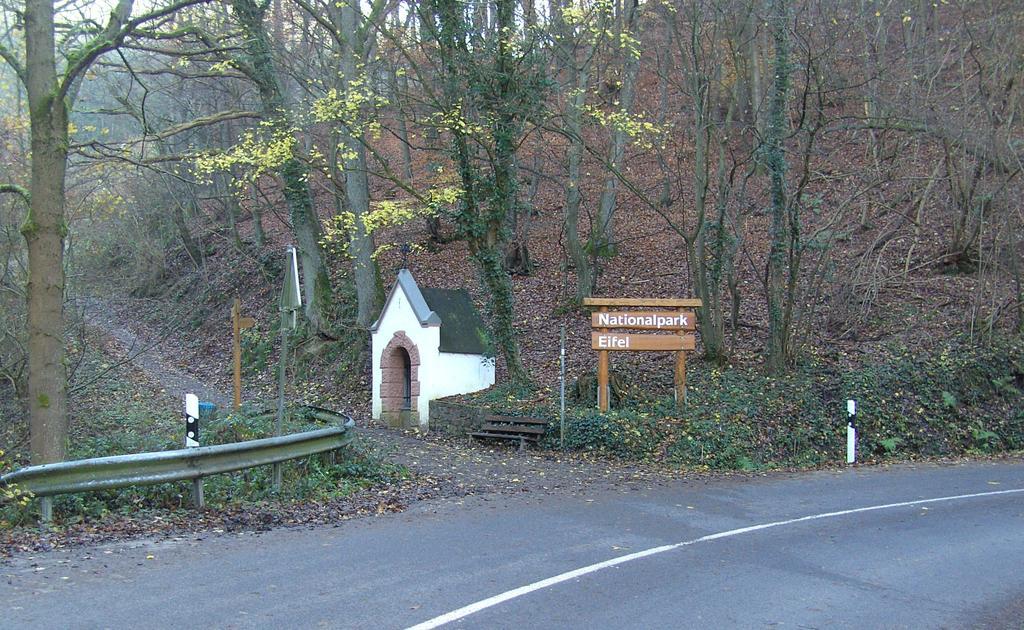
(947, 563)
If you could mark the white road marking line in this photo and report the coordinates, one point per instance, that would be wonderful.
(483, 604)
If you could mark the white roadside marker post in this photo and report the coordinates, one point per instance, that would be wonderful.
(192, 441)
(561, 391)
(851, 432)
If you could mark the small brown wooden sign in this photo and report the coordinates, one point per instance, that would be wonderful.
(644, 320)
(625, 342)
(238, 324)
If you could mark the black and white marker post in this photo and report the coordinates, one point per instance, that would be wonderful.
(561, 391)
(192, 441)
(851, 432)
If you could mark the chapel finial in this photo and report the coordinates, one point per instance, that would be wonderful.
(405, 249)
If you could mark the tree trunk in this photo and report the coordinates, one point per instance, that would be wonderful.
(605, 232)
(259, 235)
(181, 224)
(756, 89)
(573, 198)
(403, 132)
(226, 198)
(709, 245)
(576, 83)
(44, 230)
(357, 185)
(518, 260)
(178, 194)
(778, 351)
(305, 222)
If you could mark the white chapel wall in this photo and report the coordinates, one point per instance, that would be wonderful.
(399, 316)
(461, 374)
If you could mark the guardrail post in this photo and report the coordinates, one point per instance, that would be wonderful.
(46, 510)
(197, 493)
(851, 432)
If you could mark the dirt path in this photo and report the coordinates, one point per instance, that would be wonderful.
(148, 351)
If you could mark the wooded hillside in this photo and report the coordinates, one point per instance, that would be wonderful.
(838, 182)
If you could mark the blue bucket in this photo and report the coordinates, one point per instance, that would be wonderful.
(207, 411)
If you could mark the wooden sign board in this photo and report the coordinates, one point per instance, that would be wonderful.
(664, 314)
(624, 342)
(644, 302)
(644, 320)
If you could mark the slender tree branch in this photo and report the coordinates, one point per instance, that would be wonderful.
(8, 55)
(118, 28)
(16, 190)
(203, 121)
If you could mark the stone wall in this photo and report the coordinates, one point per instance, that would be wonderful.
(454, 418)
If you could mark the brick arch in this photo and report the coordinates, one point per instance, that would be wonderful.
(392, 367)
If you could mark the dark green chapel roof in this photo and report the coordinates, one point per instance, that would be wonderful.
(462, 330)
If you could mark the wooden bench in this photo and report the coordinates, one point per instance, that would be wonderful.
(518, 428)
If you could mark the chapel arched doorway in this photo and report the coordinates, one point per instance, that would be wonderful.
(399, 384)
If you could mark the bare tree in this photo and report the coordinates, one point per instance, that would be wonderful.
(51, 86)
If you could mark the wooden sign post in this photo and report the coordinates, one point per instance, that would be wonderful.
(676, 320)
(239, 323)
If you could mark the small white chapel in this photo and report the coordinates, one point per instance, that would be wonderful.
(426, 344)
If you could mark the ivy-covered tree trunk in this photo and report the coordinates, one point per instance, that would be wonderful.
(504, 197)
(483, 227)
(778, 351)
(486, 201)
(259, 65)
(492, 269)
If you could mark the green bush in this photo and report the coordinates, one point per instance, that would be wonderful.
(13, 499)
(958, 399)
(257, 348)
(739, 419)
(626, 433)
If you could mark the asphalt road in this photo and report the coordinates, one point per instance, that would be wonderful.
(788, 550)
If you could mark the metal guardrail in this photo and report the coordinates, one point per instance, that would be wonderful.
(119, 471)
